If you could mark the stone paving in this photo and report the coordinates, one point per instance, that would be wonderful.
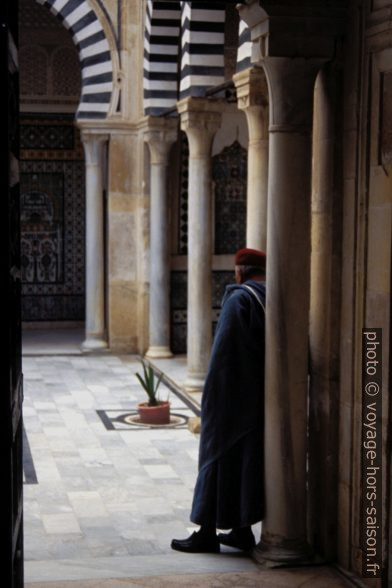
(103, 499)
(106, 500)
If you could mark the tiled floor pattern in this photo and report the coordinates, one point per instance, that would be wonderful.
(107, 501)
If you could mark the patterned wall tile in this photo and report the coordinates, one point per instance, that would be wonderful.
(178, 310)
(183, 196)
(52, 223)
(47, 136)
(229, 171)
(178, 304)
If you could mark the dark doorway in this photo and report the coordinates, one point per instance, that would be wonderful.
(11, 372)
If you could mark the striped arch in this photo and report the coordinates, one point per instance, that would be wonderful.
(202, 47)
(94, 54)
(161, 48)
(244, 52)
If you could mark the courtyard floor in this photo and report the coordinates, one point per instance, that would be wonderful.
(104, 496)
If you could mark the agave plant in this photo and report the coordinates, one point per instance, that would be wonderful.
(149, 384)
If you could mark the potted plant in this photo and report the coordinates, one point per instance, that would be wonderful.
(155, 411)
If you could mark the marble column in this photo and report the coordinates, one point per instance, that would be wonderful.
(324, 328)
(95, 337)
(291, 84)
(252, 94)
(200, 119)
(160, 135)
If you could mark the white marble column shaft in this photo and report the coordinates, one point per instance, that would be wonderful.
(200, 122)
(252, 94)
(159, 142)
(291, 83)
(95, 337)
(324, 328)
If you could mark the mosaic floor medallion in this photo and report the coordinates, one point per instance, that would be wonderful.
(120, 420)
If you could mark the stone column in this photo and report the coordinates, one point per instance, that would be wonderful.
(252, 94)
(95, 261)
(324, 328)
(200, 119)
(291, 84)
(160, 135)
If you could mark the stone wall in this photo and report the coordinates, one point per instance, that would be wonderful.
(366, 275)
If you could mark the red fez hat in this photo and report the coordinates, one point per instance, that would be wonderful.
(251, 257)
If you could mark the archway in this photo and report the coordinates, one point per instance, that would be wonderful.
(95, 58)
(66, 74)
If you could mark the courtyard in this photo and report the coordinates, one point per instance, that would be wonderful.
(104, 497)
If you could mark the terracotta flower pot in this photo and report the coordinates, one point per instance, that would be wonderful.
(154, 415)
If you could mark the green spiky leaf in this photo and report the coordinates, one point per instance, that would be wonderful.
(148, 383)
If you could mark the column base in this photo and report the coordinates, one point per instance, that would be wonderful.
(194, 382)
(159, 352)
(284, 553)
(94, 343)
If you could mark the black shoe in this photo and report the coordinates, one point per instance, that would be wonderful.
(196, 543)
(240, 539)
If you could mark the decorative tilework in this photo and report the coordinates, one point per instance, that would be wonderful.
(34, 71)
(178, 310)
(178, 290)
(229, 171)
(42, 224)
(50, 137)
(52, 222)
(178, 304)
(47, 136)
(183, 204)
(220, 279)
(120, 420)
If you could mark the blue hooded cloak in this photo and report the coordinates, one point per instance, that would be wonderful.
(229, 488)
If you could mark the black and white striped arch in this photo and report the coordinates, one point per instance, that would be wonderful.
(244, 52)
(202, 47)
(161, 50)
(184, 51)
(94, 54)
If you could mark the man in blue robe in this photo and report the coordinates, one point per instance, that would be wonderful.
(229, 488)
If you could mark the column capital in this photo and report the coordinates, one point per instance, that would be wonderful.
(92, 144)
(291, 83)
(252, 88)
(200, 119)
(160, 133)
(90, 136)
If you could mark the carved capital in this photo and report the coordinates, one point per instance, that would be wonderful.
(93, 145)
(291, 83)
(252, 88)
(159, 133)
(200, 119)
(159, 143)
(252, 94)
